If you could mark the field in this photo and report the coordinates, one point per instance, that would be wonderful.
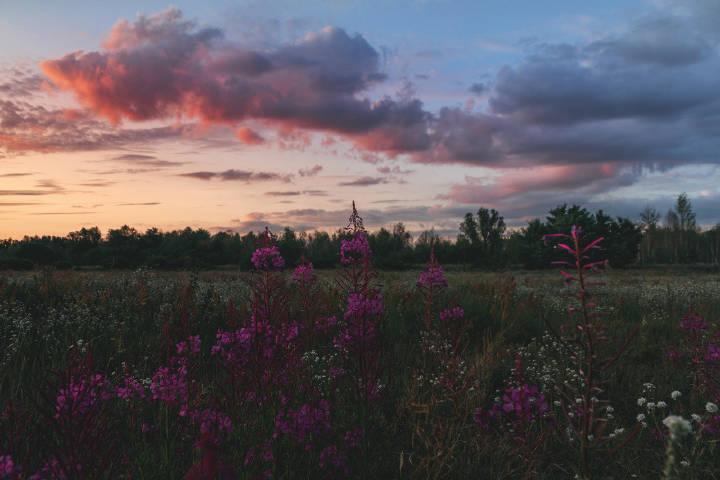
(282, 374)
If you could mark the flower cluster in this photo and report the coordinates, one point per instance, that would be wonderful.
(82, 395)
(355, 250)
(693, 322)
(306, 423)
(432, 277)
(454, 313)
(267, 259)
(192, 345)
(304, 274)
(211, 421)
(8, 467)
(359, 305)
(130, 389)
(169, 384)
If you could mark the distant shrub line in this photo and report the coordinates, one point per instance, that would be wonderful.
(483, 241)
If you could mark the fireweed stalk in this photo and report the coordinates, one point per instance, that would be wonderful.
(579, 403)
(430, 282)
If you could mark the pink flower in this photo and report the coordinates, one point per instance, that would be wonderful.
(267, 258)
(130, 389)
(355, 250)
(693, 322)
(7, 466)
(360, 305)
(304, 274)
(433, 277)
(455, 313)
(82, 395)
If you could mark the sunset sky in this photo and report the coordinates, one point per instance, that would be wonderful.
(236, 115)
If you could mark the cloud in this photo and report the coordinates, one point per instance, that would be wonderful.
(18, 82)
(310, 171)
(148, 204)
(144, 160)
(163, 66)
(239, 175)
(29, 127)
(248, 136)
(12, 175)
(364, 182)
(283, 194)
(477, 88)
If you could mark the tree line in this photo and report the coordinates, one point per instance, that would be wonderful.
(483, 241)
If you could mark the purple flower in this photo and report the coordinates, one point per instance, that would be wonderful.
(526, 402)
(359, 305)
(7, 466)
(130, 389)
(713, 352)
(267, 258)
(693, 322)
(304, 274)
(355, 250)
(455, 313)
(82, 395)
(433, 277)
(169, 384)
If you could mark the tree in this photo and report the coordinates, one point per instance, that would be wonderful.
(491, 228)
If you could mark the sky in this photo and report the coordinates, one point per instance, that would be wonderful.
(236, 115)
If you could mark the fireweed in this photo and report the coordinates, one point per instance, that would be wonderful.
(579, 403)
(284, 373)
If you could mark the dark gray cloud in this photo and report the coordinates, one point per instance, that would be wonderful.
(239, 175)
(310, 171)
(364, 182)
(144, 160)
(283, 194)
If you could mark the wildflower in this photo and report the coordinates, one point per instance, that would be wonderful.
(684, 463)
(304, 274)
(711, 407)
(355, 250)
(696, 418)
(641, 401)
(661, 404)
(693, 322)
(7, 466)
(713, 353)
(359, 305)
(650, 406)
(130, 389)
(455, 313)
(678, 426)
(640, 417)
(267, 258)
(433, 277)
(675, 394)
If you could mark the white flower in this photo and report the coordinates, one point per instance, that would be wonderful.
(640, 417)
(661, 404)
(711, 407)
(619, 431)
(557, 403)
(641, 401)
(651, 405)
(684, 463)
(675, 394)
(696, 418)
(609, 409)
(678, 426)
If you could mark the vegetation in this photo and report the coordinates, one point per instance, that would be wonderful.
(354, 374)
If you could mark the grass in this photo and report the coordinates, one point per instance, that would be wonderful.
(128, 323)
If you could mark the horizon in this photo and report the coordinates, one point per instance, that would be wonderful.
(233, 117)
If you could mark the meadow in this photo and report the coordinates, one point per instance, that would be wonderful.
(351, 373)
